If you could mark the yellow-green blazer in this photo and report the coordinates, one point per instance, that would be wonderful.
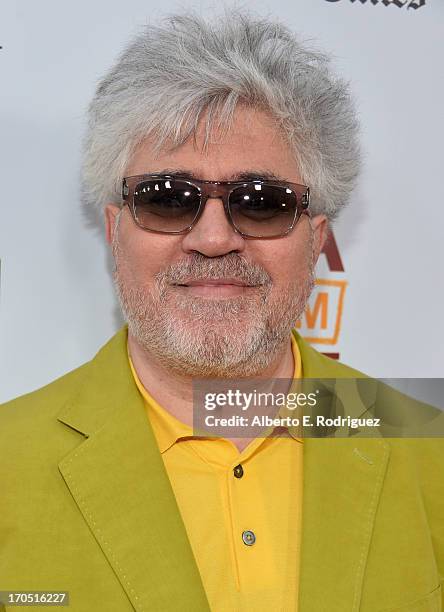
(86, 505)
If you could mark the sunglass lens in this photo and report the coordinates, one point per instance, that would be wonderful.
(166, 205)
(263, 210)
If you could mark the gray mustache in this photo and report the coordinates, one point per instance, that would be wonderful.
(227, 266)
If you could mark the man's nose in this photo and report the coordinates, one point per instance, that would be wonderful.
(213, 234)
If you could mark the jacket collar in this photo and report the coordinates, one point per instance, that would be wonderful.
(117, 478)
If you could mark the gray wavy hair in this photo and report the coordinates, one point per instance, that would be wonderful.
(169, 74)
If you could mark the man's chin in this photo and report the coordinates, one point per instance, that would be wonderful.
(201, 330)
(196, 348)
(213, 311)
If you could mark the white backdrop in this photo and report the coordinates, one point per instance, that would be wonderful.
(57, 304)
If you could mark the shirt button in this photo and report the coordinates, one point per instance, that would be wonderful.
(248, 538)
(238, 471)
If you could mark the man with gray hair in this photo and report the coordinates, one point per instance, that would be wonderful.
(218, 153)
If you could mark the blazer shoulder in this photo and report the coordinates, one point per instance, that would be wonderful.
(35, 411)
(43, 402)
(317, 365)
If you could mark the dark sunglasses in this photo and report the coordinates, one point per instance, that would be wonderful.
(256, 209)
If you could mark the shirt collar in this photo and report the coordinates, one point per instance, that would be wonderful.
(167, 429)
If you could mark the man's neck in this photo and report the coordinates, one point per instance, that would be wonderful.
(175, 392)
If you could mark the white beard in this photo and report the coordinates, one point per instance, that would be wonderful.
(218, 338)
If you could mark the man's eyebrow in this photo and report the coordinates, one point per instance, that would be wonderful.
(249, 175)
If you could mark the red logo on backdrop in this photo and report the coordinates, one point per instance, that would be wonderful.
(322, 318)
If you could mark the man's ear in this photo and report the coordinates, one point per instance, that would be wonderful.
(110, 212)
(320, 226)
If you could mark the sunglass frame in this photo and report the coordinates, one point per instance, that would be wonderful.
(215, 189)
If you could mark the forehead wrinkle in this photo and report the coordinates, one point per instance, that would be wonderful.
(244, 175)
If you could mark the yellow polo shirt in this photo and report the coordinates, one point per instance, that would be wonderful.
(241, 510)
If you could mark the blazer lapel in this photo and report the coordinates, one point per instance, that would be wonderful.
(118, 480)
(343, 480)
